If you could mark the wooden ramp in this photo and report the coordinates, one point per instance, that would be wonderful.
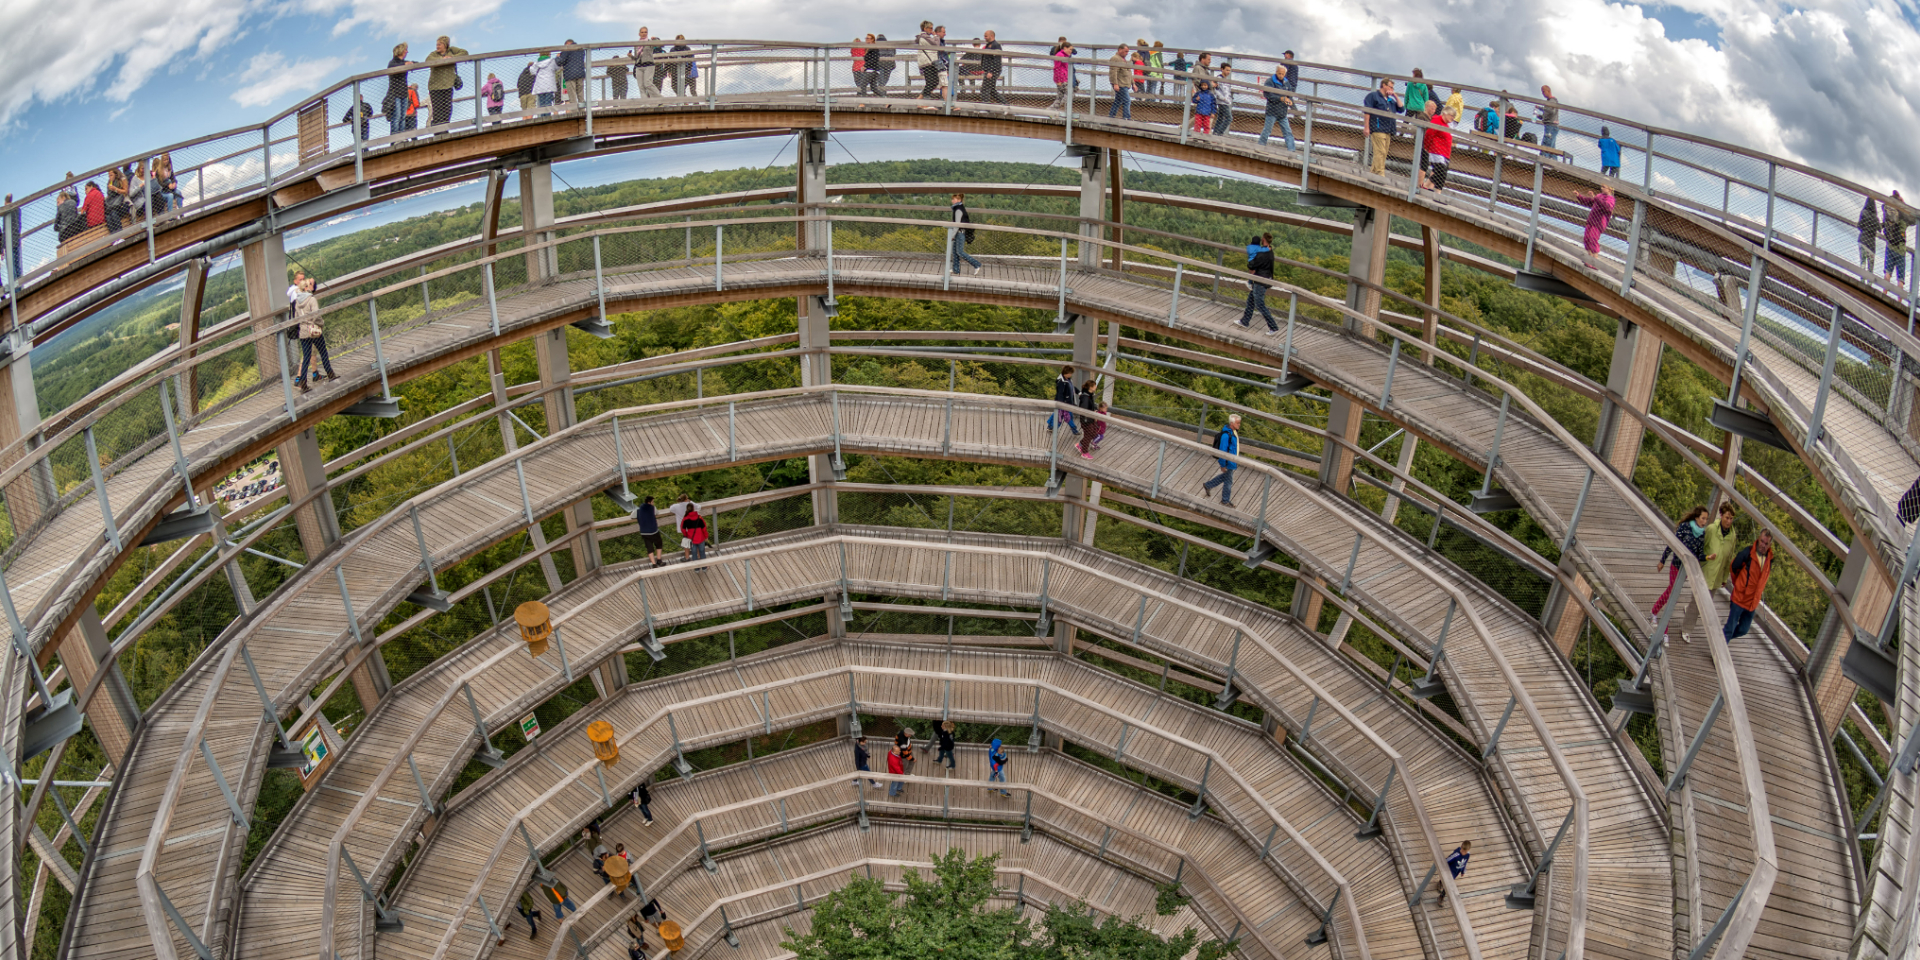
(1333, 356)
(1890, 926)
(985, 428)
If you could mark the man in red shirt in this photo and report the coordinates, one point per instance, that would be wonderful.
(1747, 581)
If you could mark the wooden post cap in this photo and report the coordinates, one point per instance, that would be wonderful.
(670, 932)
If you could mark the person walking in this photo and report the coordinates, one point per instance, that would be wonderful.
(903, 742)
(944, 736)
(1157, 74)
(1228, 442)
(1063, 395)
(1381, 127)
(1223, 101)
(888, 62)
(1203, 107)
(992, 66)
(1750, 570)
(896, 765)
(1457, 864)
(494, 94)
(1096, 431)
(1178, 85)
(1456, 106)
(649, 520)
(861, 762)
(1418, 93)
(557, 895)
(645, 72)
(997, 764)
(1548, 113)
(643, 802)
(1260, 264)
(1293, 70)
(1610, 155)
(1720, 542)
(693, 529)
(1894, 222)
(395, 103)
(531, 911)
(313, 338)
(572, 62)
(1436, 152)
(962, 235)
(546, 80)
(1692, 536)
(445, 79)
(1279, 102)
(1062, 54)
(1599, 206)
(1120, 78)
(927, 58)
(1869, 224)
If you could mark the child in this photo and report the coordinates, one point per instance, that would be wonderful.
(413, 106)
(1096, 431)
(1609, 154)
(694, 530)
(494, 93)
(1599, 213)
(997, 764)
(1203, 107)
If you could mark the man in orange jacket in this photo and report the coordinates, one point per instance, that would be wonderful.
(1747, 581)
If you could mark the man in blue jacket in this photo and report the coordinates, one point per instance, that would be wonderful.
(1260, 264)
(1609, 154)
(1381, 126)
(1228, 443)
(1277, 104)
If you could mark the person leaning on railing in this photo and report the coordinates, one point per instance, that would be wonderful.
(644, 70)
(1380, 124)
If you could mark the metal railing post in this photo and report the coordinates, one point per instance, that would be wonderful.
(1493, 742)
(1306, 147)
(1493, 452)
(599, 280)
(1756, 276)
(1521, 896)
(1699, 738)
(1173, 309)
(1773, 178)
(1533, 214)
(1579, 507)
(1633, 247)
(493, 301)
(1413, 168)
(1815, 426)
(719, 241)
(100, 489)
(1646, 174)
(426, 802)
(1372, 828)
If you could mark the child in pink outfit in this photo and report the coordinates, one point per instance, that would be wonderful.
(1599, 214)
(1095, 432)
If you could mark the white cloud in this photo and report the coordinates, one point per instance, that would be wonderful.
(1823, 81)
(59, 50)
(416, 20)
(269, 77)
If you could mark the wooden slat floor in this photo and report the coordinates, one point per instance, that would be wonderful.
(288, 862)
(986, 428)
(1890, 927)
(1414, 391)
(1207, 844)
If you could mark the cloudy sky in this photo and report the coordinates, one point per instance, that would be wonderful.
(1829, 82)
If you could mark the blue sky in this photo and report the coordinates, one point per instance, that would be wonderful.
(1827, 82)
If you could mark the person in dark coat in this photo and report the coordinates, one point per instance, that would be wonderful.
(1260, 264)
(1869, 232)
(573, 72)
(1063, 393)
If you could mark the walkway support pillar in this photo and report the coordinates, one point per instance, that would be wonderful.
(264, 269)
(814, 321)
(556, 377)
(536, 214)
(1631, 377)
(113, 713)
(1868, 592)
(1093, 207)
(29, 496)
(192, 296)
